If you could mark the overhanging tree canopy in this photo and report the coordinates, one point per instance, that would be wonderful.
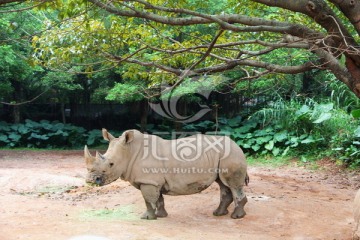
(153, 39)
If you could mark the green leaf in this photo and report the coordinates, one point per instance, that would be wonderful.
(264, 139)
(23, 129)
(324, 107)
(107, 22)
(270, 145)
(303, 110)
(14, 137)
(275, 151)
(244, 129)
(323, 117)
(249, 135)
(234, 122)
(342, 60)
(38, 136)
(285, 151)
(4, 126)
(355, 113)
(308, 140)
(303, 136)
(4, 138)
(280, 136)
(62, 133)
(240, 142)
(255, 147)
(294, 141)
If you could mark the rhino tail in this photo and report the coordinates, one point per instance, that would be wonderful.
(247, 179)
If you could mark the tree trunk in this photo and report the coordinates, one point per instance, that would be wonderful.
(354, 70)
(16, 114)
(144, 107)
(182, 111)
(62, 109)
(17, 96)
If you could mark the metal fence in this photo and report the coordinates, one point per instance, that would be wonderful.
(125, 116)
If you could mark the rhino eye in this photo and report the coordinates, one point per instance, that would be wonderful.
(111, 164)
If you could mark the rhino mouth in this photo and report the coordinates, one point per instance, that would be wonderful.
(96, 180)
(99, 181)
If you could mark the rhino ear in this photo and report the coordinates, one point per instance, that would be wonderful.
(100, 156)
(106, 135)
(129, 136)
(88, 158)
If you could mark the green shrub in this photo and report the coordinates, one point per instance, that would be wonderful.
(298, 127)
(345, 142)
(255, 138)
(46, 134)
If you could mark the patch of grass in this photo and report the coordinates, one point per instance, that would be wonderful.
(125, 212)
(45, 190)
(311, 162)
(25, 149)
(54, 189)
(269, 160)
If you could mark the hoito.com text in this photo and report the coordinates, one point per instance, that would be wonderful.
(189, 170)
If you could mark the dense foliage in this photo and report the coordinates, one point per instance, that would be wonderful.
(168, 41)
(45, 134)
(297, 128)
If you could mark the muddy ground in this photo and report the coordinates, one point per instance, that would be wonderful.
(43, 196)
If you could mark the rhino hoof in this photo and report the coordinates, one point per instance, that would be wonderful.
(217, 212)
(148, 216)
(161, 214)
(237, 215)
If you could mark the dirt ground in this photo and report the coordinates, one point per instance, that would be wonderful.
(43, 196)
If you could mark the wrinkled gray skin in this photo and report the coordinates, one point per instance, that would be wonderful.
(131, 155)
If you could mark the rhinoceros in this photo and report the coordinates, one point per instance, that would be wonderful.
(182, 166)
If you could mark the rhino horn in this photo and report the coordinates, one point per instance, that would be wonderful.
(88, 158)
(106, 135)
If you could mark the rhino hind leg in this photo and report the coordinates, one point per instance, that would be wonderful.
(151, 195)
(160, 207)
(226, 199)
(240, 200)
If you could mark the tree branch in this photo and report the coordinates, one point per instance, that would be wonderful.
(226, 46)
(208, 51)
(320, 11)
(25, 102)
(22, 9)
(226, 21)
(2, 2)
(351, 10)
(273, 68)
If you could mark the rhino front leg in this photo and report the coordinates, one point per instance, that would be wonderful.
(151, 195)
(240, 200)
(160, 207)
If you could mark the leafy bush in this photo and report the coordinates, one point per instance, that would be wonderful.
(345, 143)
(348, 150)
(297, 127)
(255, 138)
(45, 134)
